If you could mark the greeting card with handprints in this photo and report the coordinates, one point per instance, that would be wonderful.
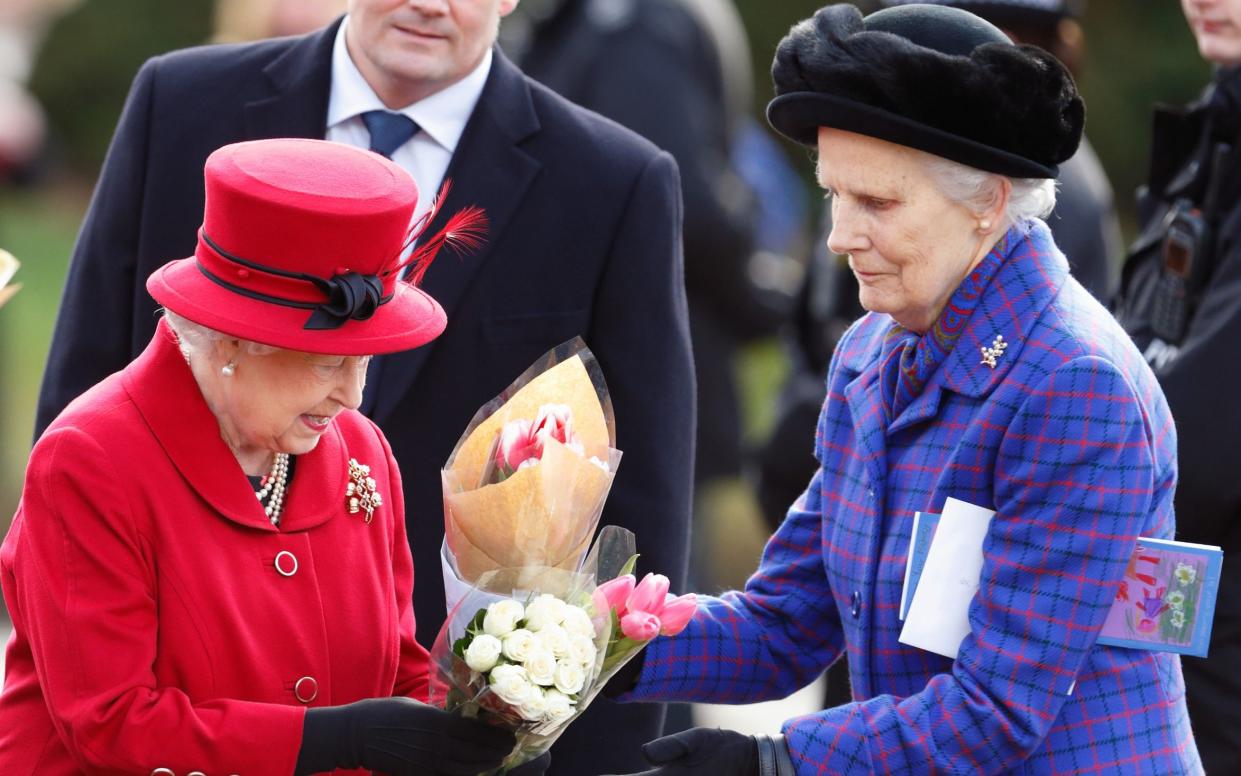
(1166, 600)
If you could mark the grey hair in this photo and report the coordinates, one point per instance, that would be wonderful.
(195, 339)
(978, 190)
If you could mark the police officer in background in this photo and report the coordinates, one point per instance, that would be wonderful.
(1180, 299)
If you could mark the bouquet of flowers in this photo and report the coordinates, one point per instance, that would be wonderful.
(535, 658)
(525, 485)
(532, 660)
(539, 618)
(8, 268)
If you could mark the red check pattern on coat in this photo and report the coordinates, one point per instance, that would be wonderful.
(1070, 441)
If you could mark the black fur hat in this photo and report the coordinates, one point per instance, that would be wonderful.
(930, 77)
(1006, 12)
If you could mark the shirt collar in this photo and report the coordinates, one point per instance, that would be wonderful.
(442, 116)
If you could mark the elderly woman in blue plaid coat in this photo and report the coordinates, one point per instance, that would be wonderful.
(982, 372)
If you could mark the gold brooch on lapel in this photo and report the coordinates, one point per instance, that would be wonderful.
(989, 355)
(361, 494)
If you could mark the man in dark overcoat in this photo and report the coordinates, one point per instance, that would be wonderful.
(584, 239)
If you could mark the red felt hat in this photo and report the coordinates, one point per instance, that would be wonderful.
(301, 248)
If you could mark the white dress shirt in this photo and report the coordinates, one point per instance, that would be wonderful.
(441, 117)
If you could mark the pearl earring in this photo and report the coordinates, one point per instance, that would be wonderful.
(984, 225)
(228, 369)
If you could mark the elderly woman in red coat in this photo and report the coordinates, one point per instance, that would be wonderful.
(208, 572)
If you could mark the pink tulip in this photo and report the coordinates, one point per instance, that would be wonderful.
(640, 626)
(554, 421)
(517, 444)
(649, 595)
(677, 613)
(613, 594)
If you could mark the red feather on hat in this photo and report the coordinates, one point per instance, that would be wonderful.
(466, 230)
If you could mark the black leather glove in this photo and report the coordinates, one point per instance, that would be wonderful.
(401, 737)
(717, 752)
(536, 767)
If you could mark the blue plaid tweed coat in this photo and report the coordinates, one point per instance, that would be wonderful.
(1070, 441)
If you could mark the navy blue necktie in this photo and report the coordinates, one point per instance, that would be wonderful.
(389, 131)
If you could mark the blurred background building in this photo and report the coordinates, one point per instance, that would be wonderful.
(66, 65)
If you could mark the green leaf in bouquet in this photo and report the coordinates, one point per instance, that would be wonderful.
(629, 566)
(455, 699)
(476, 625)
(473, 629)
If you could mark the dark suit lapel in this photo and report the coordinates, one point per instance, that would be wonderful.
(489, 169)
(299, 82)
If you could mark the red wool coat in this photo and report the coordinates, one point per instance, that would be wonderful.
(160, 621)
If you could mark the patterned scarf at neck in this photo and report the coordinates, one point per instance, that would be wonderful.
(907, 359)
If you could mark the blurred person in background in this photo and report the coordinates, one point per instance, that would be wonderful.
(242, 20)
(678, 72)
(1083, 223)
(23, 125)
(982, 371)
(584, 239)
(191, 589)
(1180, 299)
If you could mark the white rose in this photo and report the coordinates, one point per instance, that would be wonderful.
(502, 617)
(535, 707)
(544, 611)
(510, 683)
(519, 644)
(541, 667)
(559, 705)
(569, 677)
(483, 653)
(554, 639)
(577, 622)
(583, 651)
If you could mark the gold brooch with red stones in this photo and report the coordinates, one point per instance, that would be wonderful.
(360, 494)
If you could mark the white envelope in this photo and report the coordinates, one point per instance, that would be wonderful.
(938, 619)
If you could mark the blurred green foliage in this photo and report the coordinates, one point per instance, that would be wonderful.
(1138, 55)
(39, 231)
(90, 57)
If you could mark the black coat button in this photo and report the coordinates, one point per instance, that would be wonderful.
(855, 602)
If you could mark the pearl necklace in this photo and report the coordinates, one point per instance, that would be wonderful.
(274, 484)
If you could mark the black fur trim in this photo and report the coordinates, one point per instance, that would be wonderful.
(1016, 100)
